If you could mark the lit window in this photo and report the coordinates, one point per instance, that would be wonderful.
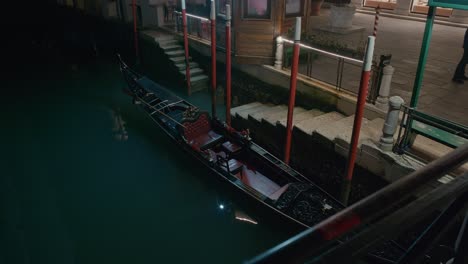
(294, 7)
(259, 9)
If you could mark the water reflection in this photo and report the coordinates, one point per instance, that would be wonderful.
(230, 211)
(118, 128)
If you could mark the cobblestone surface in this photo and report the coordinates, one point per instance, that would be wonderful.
(403, 39)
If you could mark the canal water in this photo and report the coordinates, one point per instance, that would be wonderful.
(75, 189)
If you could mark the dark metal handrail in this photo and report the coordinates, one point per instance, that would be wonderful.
(303, 246)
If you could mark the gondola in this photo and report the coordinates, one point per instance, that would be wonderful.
(231, 154)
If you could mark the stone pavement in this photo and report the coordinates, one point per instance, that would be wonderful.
(403, 38)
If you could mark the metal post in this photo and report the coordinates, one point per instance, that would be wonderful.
(292, 90)
(364, 86)
(279, 53)
(391, 123)
(187, 62)
(423, 57)
(135, 32)
(420, 71)
(213, 58)
(228, 65)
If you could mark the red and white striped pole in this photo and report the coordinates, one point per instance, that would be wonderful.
(213, 59)
(135, 31)
(364, 86)
(292, 90)
(187, 62)
(376, 21)
(228, 65)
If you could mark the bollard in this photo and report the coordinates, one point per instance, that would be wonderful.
(385, 85)
(279, 53)
(391, 123)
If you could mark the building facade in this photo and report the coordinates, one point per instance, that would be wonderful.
(414, 8)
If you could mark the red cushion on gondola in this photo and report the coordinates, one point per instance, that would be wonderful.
(198, 133)
(197, 128)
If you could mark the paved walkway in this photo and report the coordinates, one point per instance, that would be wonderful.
(403, 38)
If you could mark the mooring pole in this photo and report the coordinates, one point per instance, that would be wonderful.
(292, 90)
(228, 65)
(213, 58)
(187, 62)
(364, 86)
(376, 20)
(135, 31)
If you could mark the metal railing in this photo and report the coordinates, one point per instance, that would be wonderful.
(341, 71)
(307, 244)
(458, 132)
(197, 26)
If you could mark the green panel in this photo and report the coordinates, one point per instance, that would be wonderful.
(457, 4)
(438, 135)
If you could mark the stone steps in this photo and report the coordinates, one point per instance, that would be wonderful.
(297, 118)
(264, 113)
(176, 58)
(199, 83)
(172, 47)
(175, 53)
(276, 117)
(182, 66)
(240, 119)
(193, 72)
(244, 114)
(308, 126)
(235, 110)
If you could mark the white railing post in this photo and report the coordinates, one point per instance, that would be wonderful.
(385, 85)
(391, 123)
(279, 53)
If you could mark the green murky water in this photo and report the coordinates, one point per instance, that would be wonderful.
(71, 192)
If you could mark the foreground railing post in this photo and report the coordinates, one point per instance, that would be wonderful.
(304, 245)
(391, 123)
(135, 31)
(213, 59)
(279, 53)
(292, 90)
(187, 62)
(364, 86)
(228, 65)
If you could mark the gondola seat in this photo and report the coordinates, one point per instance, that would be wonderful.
(198, 132)
(235, 166)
